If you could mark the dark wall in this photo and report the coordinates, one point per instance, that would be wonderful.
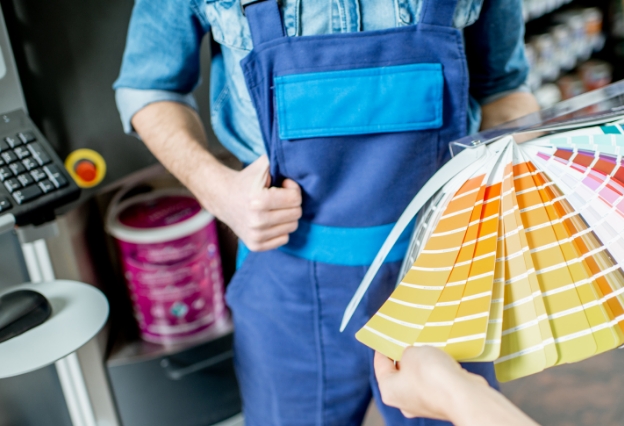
(68, 54)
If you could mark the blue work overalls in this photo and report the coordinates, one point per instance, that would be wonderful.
(360, 121)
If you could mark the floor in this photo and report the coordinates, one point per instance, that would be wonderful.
(589, 393)
(373, 418)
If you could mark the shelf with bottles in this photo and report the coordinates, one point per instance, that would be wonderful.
(590, 75)
(572, 38)
(535, 9)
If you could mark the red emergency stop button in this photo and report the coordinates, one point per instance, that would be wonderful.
(86, 167)
(86, 170)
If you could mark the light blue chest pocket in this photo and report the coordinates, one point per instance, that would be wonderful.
(363, 101)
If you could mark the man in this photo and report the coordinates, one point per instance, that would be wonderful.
(429, 383)
(353, 103)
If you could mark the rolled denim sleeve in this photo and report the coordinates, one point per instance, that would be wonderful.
(161, 59)
(495, 51)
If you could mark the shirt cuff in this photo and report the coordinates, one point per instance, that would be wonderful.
(489, 99)
(130, 101)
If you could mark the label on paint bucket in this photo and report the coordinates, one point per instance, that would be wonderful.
(170, 255)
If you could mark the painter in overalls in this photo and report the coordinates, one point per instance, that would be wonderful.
(359, 114)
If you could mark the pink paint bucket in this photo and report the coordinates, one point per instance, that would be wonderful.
(170, 255)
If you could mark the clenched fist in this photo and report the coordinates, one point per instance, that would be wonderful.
(261, 216)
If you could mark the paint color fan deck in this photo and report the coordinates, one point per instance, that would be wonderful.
(519, 264)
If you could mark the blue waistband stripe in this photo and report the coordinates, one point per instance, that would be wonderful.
(339, 246)
(241, 254)
(343, 246)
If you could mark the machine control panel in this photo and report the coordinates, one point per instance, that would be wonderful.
(33, 180)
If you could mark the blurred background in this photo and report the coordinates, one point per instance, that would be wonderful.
(67, 55)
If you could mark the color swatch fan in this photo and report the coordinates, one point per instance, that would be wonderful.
(517, 259)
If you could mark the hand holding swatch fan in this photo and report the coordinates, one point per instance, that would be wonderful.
(517, 259)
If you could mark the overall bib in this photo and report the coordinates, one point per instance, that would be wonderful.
(360, 121)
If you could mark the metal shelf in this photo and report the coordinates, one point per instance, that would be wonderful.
(126, 352)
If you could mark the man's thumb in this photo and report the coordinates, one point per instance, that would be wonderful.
(259, 169)
(290, 184)
(384, 366)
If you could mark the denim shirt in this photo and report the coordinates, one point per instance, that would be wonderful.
(161, 60)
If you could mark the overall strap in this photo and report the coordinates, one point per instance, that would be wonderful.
(265, 20)
(438, 12)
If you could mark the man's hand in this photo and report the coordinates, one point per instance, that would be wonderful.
(422, 384)
(261, 216)
(507, 108)
(429, 383)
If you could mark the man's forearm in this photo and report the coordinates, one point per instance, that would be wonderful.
(507, 108)
(477, 404)
(174, 134)
(263, 217)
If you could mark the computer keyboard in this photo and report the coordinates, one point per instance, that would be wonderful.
(33, 180)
